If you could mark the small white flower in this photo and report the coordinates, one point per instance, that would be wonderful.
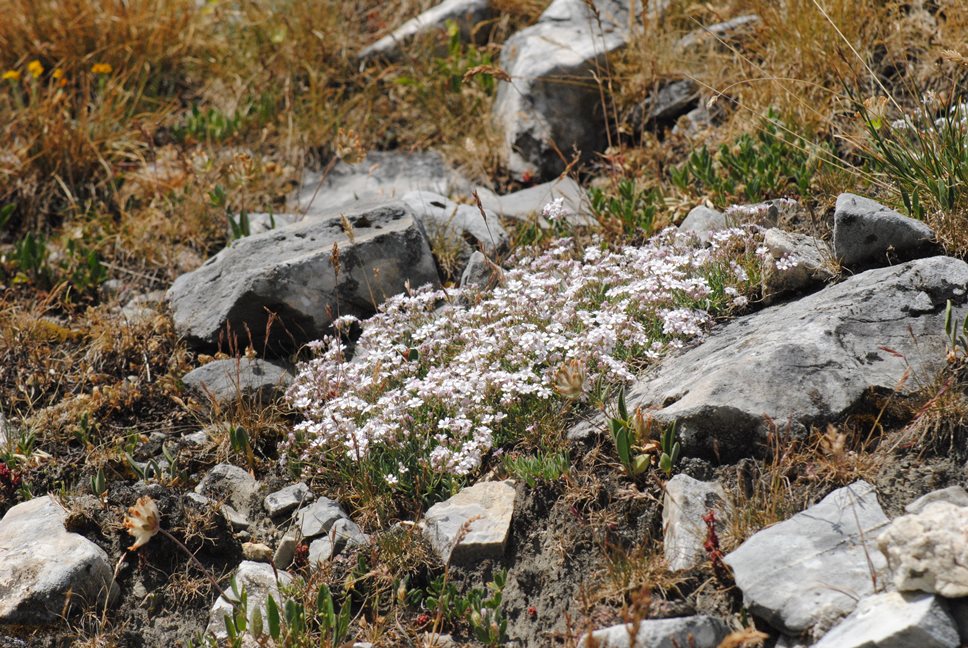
(142, 521)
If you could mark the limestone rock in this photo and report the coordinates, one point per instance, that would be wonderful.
(491, 503)
(953, 494)
(537, 110)
(466, 14)
(866, 232)
(527, 204)
(259, 581)
(667, 102)
(800, 261)
(227, 380)
(256, 552)
(456, 230)
(717, 34)
(928, 551)
(702, 221)
(41, 563)
(811, 569)
(259, 222)
(287, 499)
(478, 272)
(685, 502)
(380, 176)
(695, 631)
(289, 272)
(285, 551)
(231, 485)
(807, 362)
(895, 620)
(319, 517)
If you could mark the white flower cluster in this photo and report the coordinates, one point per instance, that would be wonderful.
(437, 377)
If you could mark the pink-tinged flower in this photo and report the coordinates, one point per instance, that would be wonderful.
(142, 521)
(570, 379)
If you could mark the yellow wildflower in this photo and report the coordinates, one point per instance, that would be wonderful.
(102, 68)
(57, 73)
(35, 68)
(11, 75)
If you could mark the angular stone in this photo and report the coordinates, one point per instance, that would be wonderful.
(719, 33)
(867, 232)
(685, 502)
(456, 230)
(537, 110)
(321, 550)
(237, 520)
(702, 221)
(667, 102)
(256, 552)
(229, 484)
(380, 176)
(259, 581)
(810, 257)
(807, 362)
(466, 14)
(527, 204)
(289, 272)
(928, 551)
(41, 564)
(953, 494)
(895, 620)
(224, 381)
(478, 272)
(486, 508)
(285, 551)
(695, 632)
(811, 569)
(344, 534)
(319, 517)
(287, 499)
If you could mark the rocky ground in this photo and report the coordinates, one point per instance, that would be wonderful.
(413, 405)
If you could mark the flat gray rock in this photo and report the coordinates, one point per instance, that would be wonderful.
(812, 569)
(868, 233)
(478, 272)
(381, 176)
(486, 508)
(456, 231)
(319, 517)
(290, 272)
(695, 632)
(41, 564)
(344, 534)
(259, 581)
(230, 485)
(895, 620)
(527, 204)
(928, 550)
(954, 494)
(805, 363)
(668, 101)
(287, 499)
(685, 502)
(225, 381)
(718, 33)
(553, 100)
(466, 14)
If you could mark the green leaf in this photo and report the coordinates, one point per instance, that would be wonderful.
(255, 625)
(623, 411)
(623, 446)
(272, 616)
(640, 464)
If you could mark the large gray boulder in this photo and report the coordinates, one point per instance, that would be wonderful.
(810, 570)
(808, 362)
(695, 631)
(868, 233)
(290, 272)
(380, 176)
(225, 381)
(466, 14)
(230, 485)
(895, 620)
(473, 524)
(42, 564)
(553, 101)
